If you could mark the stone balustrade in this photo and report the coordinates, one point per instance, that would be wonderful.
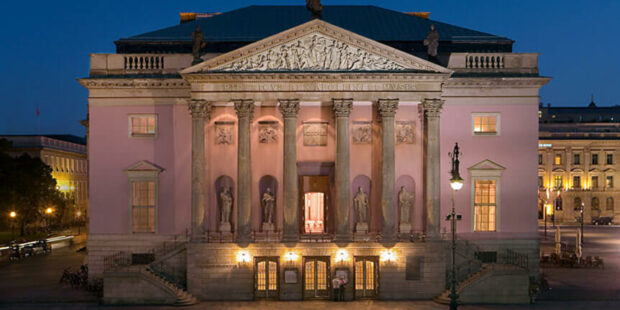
(524, 63)
(113, 64)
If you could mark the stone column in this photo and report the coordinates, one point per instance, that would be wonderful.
(432, 109)
(289, 109)
(245, 110)
(387, 109)
(342, 109)
(200, 110)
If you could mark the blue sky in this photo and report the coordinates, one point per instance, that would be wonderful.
(46, 46)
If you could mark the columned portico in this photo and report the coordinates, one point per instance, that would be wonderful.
(432, 109)
(245, 110)
(200, 110)
(289, 109)
(342, 110)
(387, 109)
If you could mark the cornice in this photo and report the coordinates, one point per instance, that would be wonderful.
(132, 83)
(317, 76)
(494, 82)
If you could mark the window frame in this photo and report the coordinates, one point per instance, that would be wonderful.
(486, 114)
(609, 181)
(609, 159)
(555, 157)
(143, 171)
(130, 118)
(576, 159)
(486, 170)
(593, 161)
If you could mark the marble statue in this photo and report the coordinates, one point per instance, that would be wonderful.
(198, 43)
(432, 41)
(268, 202)
(315, 7)
(361, 205)
(405, 203)
(226, 201)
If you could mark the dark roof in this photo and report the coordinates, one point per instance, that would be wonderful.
(66, 138)
(589, 114)
(256, 22)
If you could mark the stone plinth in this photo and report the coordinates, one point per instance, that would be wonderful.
(225, 227)
(361, 228)
(269, 227)
(404, 228)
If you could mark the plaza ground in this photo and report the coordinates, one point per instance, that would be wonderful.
(33, 283)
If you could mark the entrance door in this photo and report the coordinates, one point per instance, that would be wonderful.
(316, 277)
(266, 270)
(366, 272)
(314, 213)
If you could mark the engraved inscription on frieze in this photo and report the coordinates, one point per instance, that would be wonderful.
(267, 132)
(362, 132)
(314, 52)
(224, 132)
(315, 133)
(404, 132)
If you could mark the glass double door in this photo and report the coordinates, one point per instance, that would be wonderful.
(316, 277)
(266, 273)
(366, 277)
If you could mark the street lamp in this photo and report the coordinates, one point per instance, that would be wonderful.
(581, 213)
(12, 215)
(49, 212)
(456, 183)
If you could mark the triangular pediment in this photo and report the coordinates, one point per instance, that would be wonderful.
(144, 166)
(486, 165)
(315, 46)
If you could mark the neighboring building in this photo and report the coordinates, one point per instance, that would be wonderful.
(66, 155)
(260, 153)
(579, 162)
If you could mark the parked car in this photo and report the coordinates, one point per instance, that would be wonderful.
(606, 220)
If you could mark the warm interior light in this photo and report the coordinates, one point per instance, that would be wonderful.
(12, 214)
(79, 213)
(342, 255)
(72, 188)
(64, 188)
(291, 256)
(549, 209)
(243, 257)
(388, 256)
(49, 210)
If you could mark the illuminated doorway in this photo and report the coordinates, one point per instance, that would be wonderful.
(266, 277)
(316, 277)
(314, 213)
(366, 276)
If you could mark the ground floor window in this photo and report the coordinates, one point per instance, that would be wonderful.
(577, 204)
(609, 205)
(485, 204)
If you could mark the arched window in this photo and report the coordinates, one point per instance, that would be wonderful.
(610, 204)
(558, 204)
(577, 203)
(595, 204)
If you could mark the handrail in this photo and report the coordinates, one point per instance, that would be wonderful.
(516, 259)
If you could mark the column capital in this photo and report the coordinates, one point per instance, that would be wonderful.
(289, 107)
(244, 107)
(342, 107)
(432, 107)
(199, 108)
(387, 107)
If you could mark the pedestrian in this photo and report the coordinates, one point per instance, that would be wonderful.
(343, 282)
(336, 287)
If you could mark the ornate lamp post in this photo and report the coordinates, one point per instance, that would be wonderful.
(456, 182)
(49, 212)
(581, 224)
(12, 216)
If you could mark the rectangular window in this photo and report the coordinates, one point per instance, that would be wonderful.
(540, 182)
(594, 181)
(610, 182)
(484, 205)
(143, 125)
(595, 159)
(143, 206)
(610, 159)
(558, 159)
(557, 181)
(540, 159)
(486, 124)
(576, 159)
(576, 181)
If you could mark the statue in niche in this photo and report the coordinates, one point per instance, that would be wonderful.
(361, 205)
(226, 201)
(405, 203)
(432, 41)
(198, 43)
(269, 202)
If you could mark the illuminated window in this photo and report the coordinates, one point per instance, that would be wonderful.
(484, 205)
(576, 181)
(143, 206)
(486, 124)
(595, 159)
(558, 159)
(314, 213)
(610, 182)
(143, 125)
(557, 181)
(594, 183)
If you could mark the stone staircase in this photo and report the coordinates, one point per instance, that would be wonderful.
(183, 298)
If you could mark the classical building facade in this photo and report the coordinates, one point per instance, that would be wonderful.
(578, 163)
(295, 151)
(66, 155)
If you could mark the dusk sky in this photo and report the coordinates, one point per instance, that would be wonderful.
(46, 46)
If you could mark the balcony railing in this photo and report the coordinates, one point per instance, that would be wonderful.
(112, 64)
(523, 63)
